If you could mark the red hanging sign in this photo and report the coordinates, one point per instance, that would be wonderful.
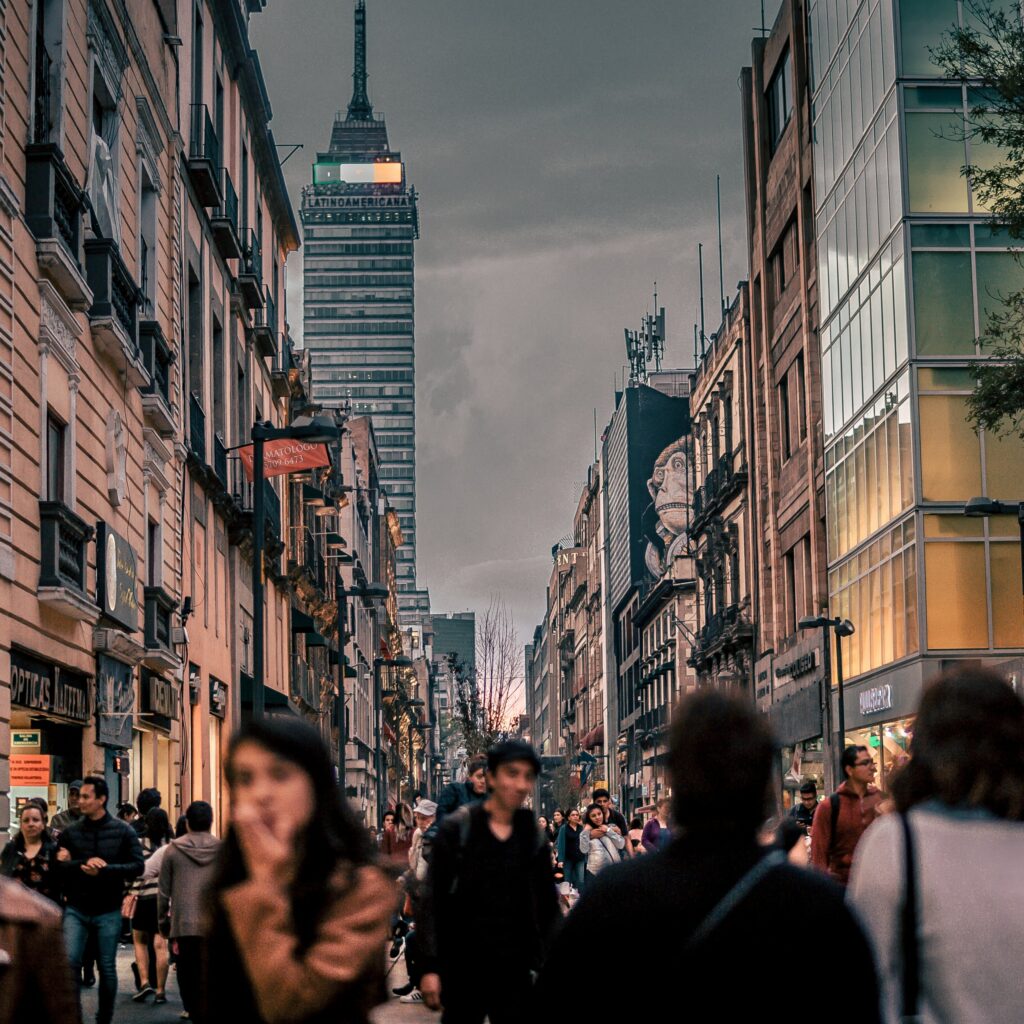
(283, 456)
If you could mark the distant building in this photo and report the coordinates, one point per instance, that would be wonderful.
(455, 632)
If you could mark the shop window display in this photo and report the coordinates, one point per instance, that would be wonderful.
(889, 745)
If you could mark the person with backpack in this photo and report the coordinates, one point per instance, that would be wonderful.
(490, 904)
(714, 902)
(939, 884)
(844, 817)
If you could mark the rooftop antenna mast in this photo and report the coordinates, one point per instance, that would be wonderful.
(721, 264)
(646, 345)
(359, 109)
(700, 266)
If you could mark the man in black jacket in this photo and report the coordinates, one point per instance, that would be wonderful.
(489, 905)
(715, 908)
(459, 794)
(99, 854)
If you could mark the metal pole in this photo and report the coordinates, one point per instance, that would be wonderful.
(1020, 521)
(258, 516)
(842, 709)
(412, 780)
(377, 663)
(339, 585)
(826, 706)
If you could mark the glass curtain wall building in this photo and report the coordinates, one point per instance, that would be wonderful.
(360, 222)
(909, 270)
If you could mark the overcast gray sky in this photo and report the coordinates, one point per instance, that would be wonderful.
(565, 152)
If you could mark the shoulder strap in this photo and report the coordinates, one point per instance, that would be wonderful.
(734, 897)
(462, 818)
(908, 928)
(833, 802)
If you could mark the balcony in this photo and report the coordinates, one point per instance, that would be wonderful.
(114, 310)
(264, 328)
(725, 629)
(721, 483)
(224, 220)
(220, 460)
(53, 213)
(156, 395)
(250, 273)
(204, 162)
(303, 684)
(196, 429)
(63, 541)
(159, 607)
(271, 509)
(280, 373)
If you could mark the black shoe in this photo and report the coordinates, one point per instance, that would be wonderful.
(403, 990)
(88, 979)
(396, 947)
(136, 976)
(143, 994)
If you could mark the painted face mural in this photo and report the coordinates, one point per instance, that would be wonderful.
(670, 491)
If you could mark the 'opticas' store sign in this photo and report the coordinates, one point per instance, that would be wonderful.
(43, 686)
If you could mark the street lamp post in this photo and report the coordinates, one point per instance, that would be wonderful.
(378, 701)
(984, 507)
(315, 430)
(841, 627)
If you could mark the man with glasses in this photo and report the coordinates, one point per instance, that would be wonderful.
(803, 812)
(842, 819)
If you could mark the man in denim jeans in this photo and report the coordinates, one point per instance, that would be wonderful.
(98, 854)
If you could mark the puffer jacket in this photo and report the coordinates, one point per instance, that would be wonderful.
(112, 841)
(602, 851)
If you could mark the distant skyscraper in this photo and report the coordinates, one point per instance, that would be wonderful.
(360, 222)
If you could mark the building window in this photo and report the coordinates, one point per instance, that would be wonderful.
(154, 554)
(47, 79)
(102, 180)
(780, 101)
(147, 240)
(785, 427)
(56, 453)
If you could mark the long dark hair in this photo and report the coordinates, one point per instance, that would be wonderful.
(158, 827)
(333, 838)
(968, 746)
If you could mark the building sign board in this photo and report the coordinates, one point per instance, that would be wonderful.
(30, 769)
(115, 702)
(283, 456)
(26, 738)
(158, 698)
(42, 686)
(117, 580)
(875, 699)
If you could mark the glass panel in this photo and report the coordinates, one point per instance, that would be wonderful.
(898, 599)
(953, 526)
(1003, 526)
(890, 613)
(999, 276)
(1004, 467)
(986, 237)
(922, 23)
(950, 453)
(920, 97)
(910, 596)
(955, 583)
(935, 158)
(901, 323)
(931, 378)
(943, 303)
(906, 431)
(940, 236)
(1007, 603)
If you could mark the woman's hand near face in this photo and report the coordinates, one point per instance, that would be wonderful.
(266, 855)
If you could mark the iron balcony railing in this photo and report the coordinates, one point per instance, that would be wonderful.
(220, 459)
(196, 428)
(159, 607)
(53, 199)
(272, 508)
(43, 126)
(115, 293)
(64, 539)
(224, 219)
(156, 357)
(203, 142)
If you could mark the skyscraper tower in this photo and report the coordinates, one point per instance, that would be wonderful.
(359, 224)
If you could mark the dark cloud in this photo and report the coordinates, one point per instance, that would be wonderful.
(565, 152)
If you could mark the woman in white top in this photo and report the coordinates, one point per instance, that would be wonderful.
(962, 795)
(150, 945)
(600, 843)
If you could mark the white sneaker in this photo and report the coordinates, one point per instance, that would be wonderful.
(415, 996)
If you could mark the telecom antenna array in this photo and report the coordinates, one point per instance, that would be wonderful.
(646, 348)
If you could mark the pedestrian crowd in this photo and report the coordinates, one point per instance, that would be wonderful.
(915, 896)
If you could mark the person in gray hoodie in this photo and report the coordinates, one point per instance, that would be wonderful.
(186, 871)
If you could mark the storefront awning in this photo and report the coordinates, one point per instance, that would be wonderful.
(594, 738)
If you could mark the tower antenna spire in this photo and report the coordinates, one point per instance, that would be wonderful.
(359, 109)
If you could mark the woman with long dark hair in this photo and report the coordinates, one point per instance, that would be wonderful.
(939, 884)
(30, 856)
(299, 911)
(151, 954)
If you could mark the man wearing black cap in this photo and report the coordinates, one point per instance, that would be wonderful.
(71, 814)
(490, 903)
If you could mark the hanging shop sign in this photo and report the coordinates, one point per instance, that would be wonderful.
(218, 698)
(158, 698)
(30, 769)
(284, 456)
(875, 699)
(117, 580)
(115, 702)
(42, 686)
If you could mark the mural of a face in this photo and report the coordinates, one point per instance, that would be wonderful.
(669, 490)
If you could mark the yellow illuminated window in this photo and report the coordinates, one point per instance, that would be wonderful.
(1007, 601)
(957, 612)
(950, 452)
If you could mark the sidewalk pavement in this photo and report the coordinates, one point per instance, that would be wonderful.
(128, 1012)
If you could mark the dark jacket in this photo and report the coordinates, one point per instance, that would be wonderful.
(567, 845)
(671, 895)
(35, 980)
(468, 917)
(454, 796)
(40, 874)
(111, 840)
(186, 872)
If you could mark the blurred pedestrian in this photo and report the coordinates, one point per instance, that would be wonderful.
(635, 834)
(843, 818)
(145, 802)
(458, 794)
(98, 857)
(186, 871)
(150, 946)
(490, 903)
(942, 939)
(71, 813)
(127, 813)
(557, 821)
(299, 911)
(657, 832)
(545, 826)
(568, 854)
(601, 843)
(36, 985)
(713, 904)
(31, 856)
